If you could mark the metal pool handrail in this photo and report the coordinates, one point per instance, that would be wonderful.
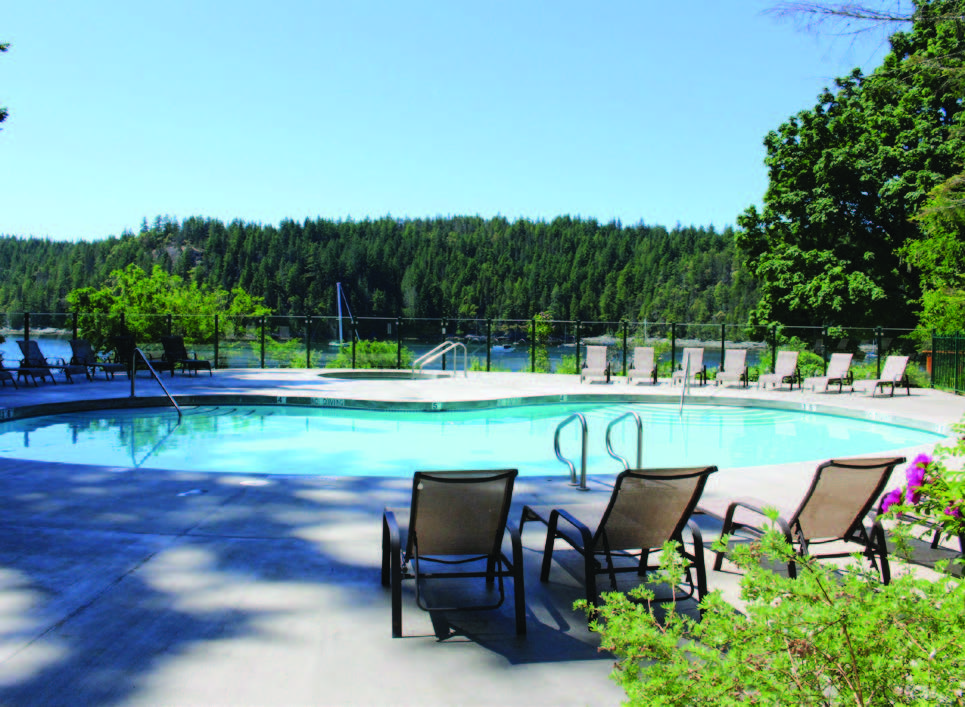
(441, 350)
(686, 385)
(137, 352)
(581, 484)
(609, 445)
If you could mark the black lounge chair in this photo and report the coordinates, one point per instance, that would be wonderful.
(176, 355)
(835, 508)
(36, 365)
(7, 374)
(84, 355)
(647, 508)
(456, 519)
(124, 354)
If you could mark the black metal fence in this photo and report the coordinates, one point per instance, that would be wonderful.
(946, 361)
(530, 345)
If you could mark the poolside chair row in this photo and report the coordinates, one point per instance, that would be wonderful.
(457, 521)
(893, 374)
(734, 370)
(85, 361)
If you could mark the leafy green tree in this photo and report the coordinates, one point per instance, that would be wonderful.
(939, 255)
(131, 301)
(845, 179)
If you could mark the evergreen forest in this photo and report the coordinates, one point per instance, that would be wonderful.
(466, 267)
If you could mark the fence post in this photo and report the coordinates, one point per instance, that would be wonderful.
(263, 342)
(443, 338)
(673, 348)
(489, 342)
(216, 337)
(626, 326)
(824, 346)
(579, 335)
(878, 350)
(398, 342)
(26, 326)
(773, 347)
(308, 341)
(532, 345)
(75, 324)
(355, 336)
(170, 319)
(723, 345)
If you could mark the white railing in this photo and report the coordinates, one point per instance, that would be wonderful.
(440, 351)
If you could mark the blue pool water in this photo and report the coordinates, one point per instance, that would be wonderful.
(331, 441)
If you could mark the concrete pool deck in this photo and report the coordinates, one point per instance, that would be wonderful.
(133, 587)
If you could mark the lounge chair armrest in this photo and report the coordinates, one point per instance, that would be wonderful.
(516, 542)
(696, 533)
(585, 534)
(750, 504)
(391, 544)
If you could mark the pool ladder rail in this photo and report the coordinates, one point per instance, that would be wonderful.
(440, 351)
(137, 352)
(579, 417)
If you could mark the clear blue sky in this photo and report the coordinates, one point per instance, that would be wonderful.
(634, 110)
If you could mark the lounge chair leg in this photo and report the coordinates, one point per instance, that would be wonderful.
(392, 566)
(544, 573)
(589, 571)
(878, 540)
(519, 593)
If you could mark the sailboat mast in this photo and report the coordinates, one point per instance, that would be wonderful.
(338, 299)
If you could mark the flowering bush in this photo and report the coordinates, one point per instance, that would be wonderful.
(825, 638)
(933, 492)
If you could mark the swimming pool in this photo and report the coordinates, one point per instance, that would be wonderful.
(296, 440)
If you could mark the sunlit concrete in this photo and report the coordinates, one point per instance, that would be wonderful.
(116, 588)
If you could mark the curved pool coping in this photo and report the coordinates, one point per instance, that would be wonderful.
(346, 403)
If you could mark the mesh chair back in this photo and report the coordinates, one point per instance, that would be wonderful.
(839, 365)
(32, 357)
(894, 368)
(735, 360)
(82, 352)
(643, 358)
(596, 357)
(786, 363)
(124, 345)
(459, 512)
(649, 507)
(841, 494)
(174, 349)
(696, 358)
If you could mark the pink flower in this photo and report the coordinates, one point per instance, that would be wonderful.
(890, 499)
(954, 511)
(916, 477)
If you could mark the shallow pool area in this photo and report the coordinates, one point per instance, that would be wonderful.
(331, 441)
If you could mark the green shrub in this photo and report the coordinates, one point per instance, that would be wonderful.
(479, 364)
(824, 638)
(568, 365)
(829, 637)
(371, 354)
